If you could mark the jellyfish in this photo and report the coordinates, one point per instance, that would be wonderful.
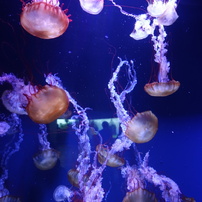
(140, 195)
(44, 19)
(160, 13)
(143, 127)
(43, 105)
(93, 7)
(62, 193)
(105, 157)
(47, 158)
(15, 129)
(138, 176)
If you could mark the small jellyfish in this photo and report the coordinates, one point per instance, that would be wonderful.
(44, 19)
(46, 159)
(140, 195)
(93, 7)
(142, 127)
(111, 160)
(62, 193)
(47, 104)
(9, 199)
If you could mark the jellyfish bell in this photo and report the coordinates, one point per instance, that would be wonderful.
(162, 89)
(72, 176)
(44, 19)
(9, 199)
(46, 159)
(47, 104)
(164, 11)
(111, 160)
(142, 127)
(140, 195)
(62, 193)
(93, 7)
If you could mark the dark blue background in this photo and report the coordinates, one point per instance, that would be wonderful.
(84, 58)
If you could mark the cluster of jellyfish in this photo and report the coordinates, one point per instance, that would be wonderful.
(46, 19)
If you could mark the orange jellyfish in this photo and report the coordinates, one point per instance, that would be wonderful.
(113, 160)
(93, 7)
(163, 86)
(140, 195)
(47, 104)
(46, 159)
(142, 127)
(44, 19)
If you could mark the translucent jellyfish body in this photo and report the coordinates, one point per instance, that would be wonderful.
(47, 104)
(163, 11)
(142, 127)
(44, 19)
(62, 193)
(92, 6)
(140, 195)
(46, 159)
(9, 199)
(105, 157)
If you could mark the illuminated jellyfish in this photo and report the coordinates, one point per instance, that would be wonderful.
(163, 86)
(137, 178)
(43, 105)
(44, 19)
(160, 13)
(92, 6)
(143, 126)
(47, 158)
(62, 193)
(105, 157)
(4, 127)
(15, 130)
(140, 195)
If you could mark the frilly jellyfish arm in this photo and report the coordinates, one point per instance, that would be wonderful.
(160, 58)
(93, 7)
(42, 136)
(15, 100)
(118, 100)
(170, 190)
(15, 125)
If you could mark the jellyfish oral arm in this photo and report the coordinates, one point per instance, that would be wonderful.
(160, 58)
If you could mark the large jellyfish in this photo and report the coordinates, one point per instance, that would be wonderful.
(44, 19)
(160, 13)
(15, 132)
(43, 105)
(92, 6)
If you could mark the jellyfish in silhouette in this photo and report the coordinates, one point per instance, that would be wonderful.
(92, 6)
(47, 158)
(44, 19)
(160, 13)
(14, 134)
(42, 104)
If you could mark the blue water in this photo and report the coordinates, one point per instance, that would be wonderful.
(84, 58)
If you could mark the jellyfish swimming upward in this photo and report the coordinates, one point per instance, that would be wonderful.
(160, 13)
(44, 19)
